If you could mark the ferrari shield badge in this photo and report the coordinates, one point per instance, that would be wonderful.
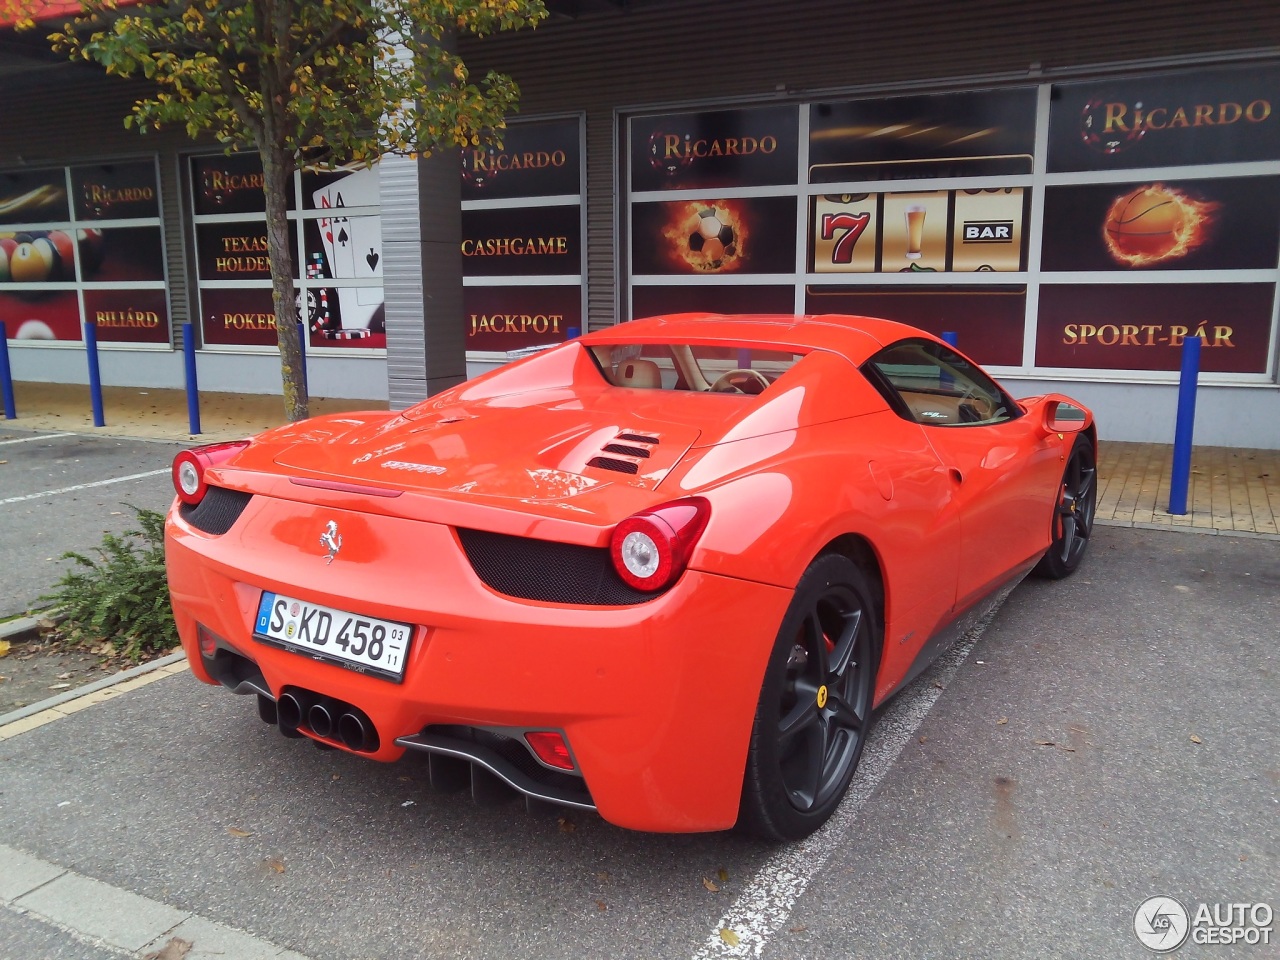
(331, 540)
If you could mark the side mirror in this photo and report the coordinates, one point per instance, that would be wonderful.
(1060, 415)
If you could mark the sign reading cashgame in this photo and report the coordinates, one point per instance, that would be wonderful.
(723, 148)
(540, 159)
(1220, 116)
(522, 241)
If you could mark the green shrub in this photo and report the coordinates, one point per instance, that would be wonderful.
(122, 597)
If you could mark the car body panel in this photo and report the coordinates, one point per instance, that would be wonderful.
(655, 697)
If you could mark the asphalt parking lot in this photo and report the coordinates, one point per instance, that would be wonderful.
(61, 492)
(1104, 739)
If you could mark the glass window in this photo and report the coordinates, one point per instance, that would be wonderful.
(930, 384)
(685, 366)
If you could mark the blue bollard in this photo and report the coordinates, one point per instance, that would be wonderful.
(6, 375)
(1185, 429)
(193, 388)
(95, 376)
(951, 338)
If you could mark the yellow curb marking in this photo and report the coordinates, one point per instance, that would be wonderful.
(27, 724)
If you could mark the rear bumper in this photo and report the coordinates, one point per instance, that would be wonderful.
(656, 700)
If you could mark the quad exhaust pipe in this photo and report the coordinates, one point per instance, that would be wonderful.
(300, 711)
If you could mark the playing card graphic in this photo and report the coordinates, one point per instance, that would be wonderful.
(352, 250)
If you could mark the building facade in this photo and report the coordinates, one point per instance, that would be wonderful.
(1072, 192)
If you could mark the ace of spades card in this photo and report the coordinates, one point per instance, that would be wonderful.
(352, 245)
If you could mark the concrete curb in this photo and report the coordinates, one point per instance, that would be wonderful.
(67, 696)
(20, 630)
(1185, 528)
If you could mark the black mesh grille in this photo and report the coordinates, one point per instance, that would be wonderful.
(609, 463)
(626, 451)
(547, 571)
(218, 511)
(637, 438)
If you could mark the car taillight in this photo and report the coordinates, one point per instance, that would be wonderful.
(189, 467)
(550, 747)
(651, 549)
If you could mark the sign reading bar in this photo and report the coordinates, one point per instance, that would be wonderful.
(1166, 120)
(723, 148)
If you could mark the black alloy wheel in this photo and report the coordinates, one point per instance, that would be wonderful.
(815, 706)
(1073, 513)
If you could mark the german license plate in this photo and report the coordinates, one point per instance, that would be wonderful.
(363, 644)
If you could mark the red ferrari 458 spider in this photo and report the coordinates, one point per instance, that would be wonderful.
(665, 571)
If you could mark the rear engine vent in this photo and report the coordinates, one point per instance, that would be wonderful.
(547, 571)
(609, 463)
(217, 512)
(638, 438)
(626, 451)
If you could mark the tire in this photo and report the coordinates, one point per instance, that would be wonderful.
(1073, 513)
(814, 712)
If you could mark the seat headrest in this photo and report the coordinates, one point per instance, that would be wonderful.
(642, 374)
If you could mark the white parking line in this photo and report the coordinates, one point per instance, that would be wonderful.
(766, 903)
(83, 486)
(43, 436)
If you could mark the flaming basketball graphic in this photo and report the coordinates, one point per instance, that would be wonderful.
(706, 236)
(1156, 223)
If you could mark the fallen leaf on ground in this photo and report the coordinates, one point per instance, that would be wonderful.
(64, 676)
(729, 937)
(1195, 739)
(710, 885)
(1001, 721)
(566, 825)
(175, 949)
(922, 738)
(938, 684)
(4, 647)
(1045, 743)
(601, 905)
(722, 875)
(60, 686)
(274, 865)
(603, 876)
(237, 832)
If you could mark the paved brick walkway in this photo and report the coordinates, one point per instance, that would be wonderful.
(1231, 490)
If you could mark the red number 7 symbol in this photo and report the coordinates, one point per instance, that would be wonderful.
(853, 224)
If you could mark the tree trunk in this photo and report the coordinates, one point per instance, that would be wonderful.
(276, 172)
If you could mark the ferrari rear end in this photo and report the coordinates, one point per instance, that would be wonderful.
(538, 628)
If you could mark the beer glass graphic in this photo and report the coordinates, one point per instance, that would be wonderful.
(915, 231)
